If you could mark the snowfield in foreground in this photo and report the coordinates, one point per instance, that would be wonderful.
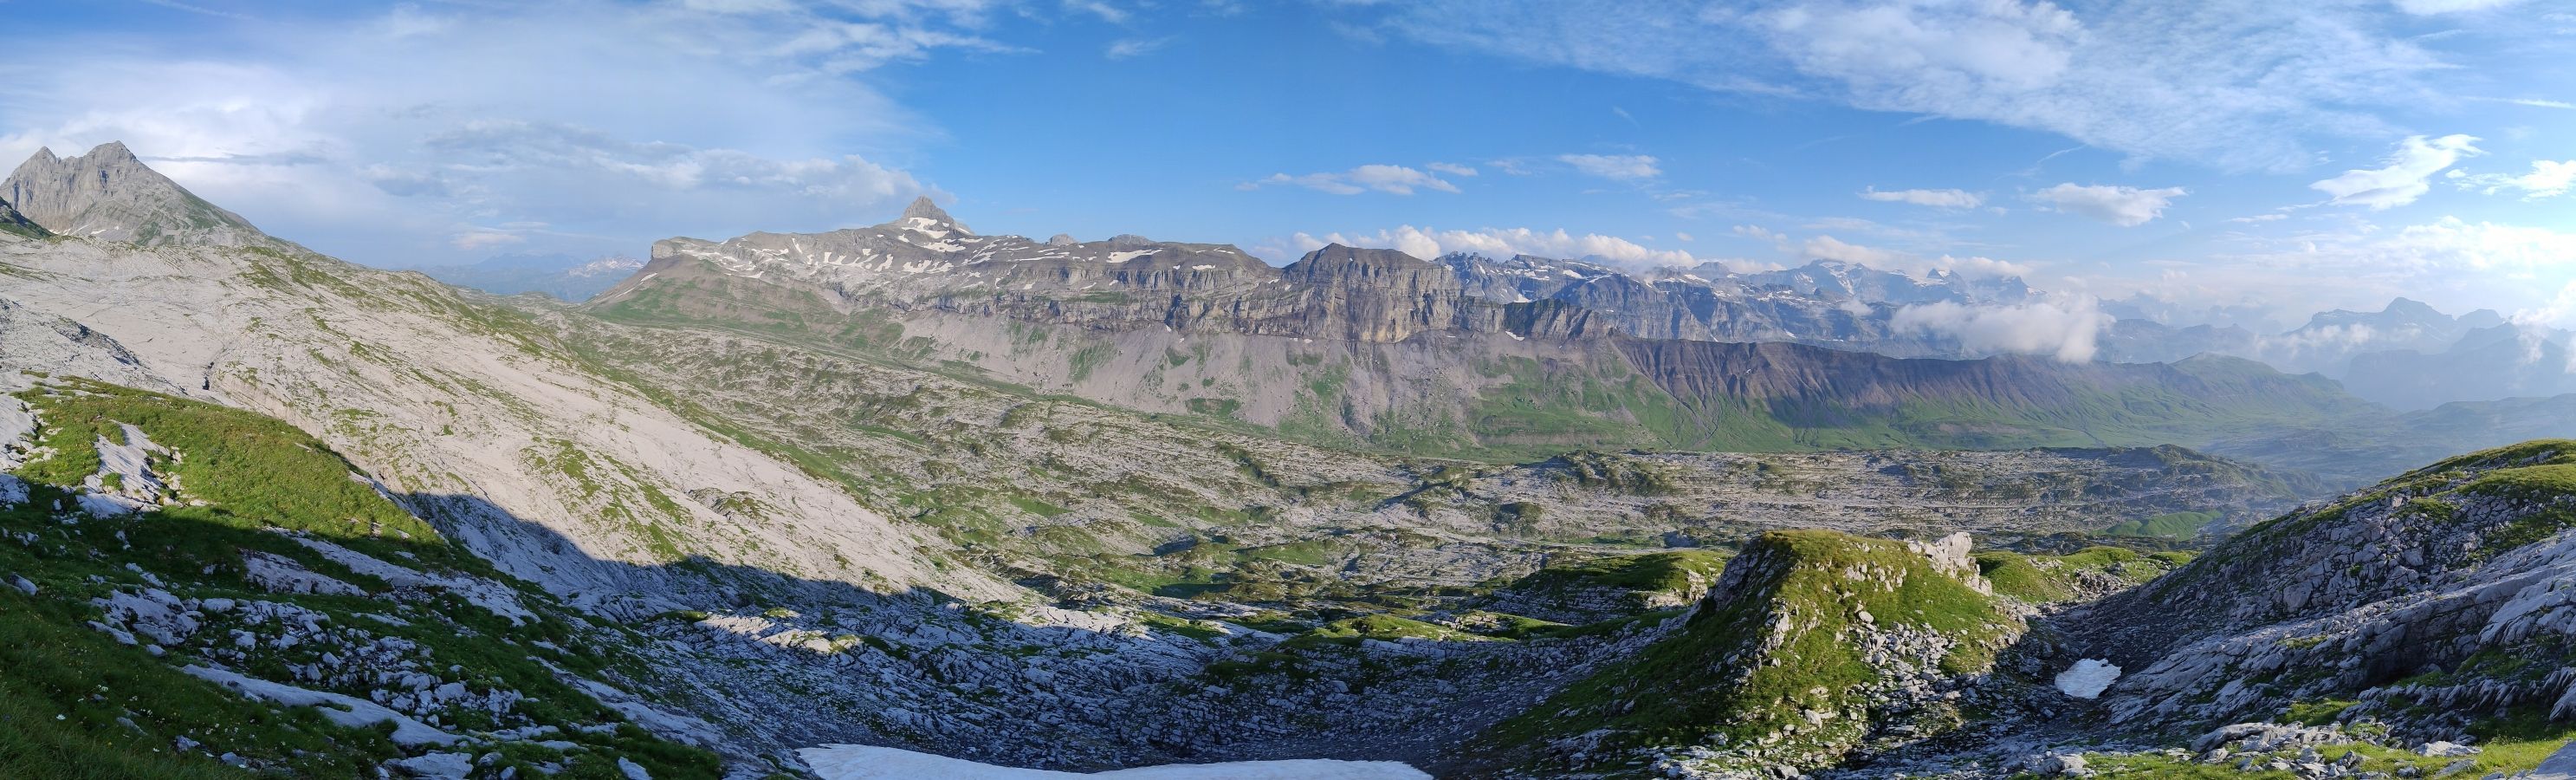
(855, 762)
(2087, 678)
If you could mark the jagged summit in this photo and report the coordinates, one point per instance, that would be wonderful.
(923, 209)
(111, 195)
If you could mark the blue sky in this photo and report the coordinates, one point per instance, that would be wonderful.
(2292, 156)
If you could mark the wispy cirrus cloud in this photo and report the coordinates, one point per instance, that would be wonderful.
(2198, 82)
(1622, 167)
(1428, 242)
(2119, 205)
(1946, 198)
(1390, 179)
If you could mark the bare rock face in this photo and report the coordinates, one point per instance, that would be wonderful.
(108, 194)
(2399, 596)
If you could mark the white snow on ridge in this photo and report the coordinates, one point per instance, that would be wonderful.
(857, 762)
(2087, 678)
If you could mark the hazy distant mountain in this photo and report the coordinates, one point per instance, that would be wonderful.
(563, 276)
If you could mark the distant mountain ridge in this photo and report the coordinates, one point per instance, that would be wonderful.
(570, 278)
(1473, 356)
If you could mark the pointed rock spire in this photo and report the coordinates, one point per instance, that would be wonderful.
(923, 208)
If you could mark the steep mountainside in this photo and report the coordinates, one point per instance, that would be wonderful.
(562, 477)
(107, 194)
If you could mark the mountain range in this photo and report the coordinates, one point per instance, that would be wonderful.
(906, 499)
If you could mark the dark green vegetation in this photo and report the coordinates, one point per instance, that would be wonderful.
(81, 705)
(2084, 574)
(14, 223)
(2177, 525)
(1776, 641)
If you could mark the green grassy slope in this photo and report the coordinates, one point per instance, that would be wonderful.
(81, 704)
(1770, 670)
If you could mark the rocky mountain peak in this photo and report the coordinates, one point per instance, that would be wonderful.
(923, 209)
(111, 195)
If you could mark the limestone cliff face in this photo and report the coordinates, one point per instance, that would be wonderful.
(108, 194)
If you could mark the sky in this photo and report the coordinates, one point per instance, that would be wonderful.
(2279, 157)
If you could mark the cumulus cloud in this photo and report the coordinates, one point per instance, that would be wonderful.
(1948, 199)
(387, 137)
(1503, 242)
(2118, 205)
(1391, 179)
(2547, 178)
(2068, 331)
(2405, 176)
(1614, 166)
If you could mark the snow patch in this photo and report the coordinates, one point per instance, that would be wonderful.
(481, 592)
(347, 711)
(856, 762)
(2087, 678)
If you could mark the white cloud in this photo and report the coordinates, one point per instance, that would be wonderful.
(2237, 84)
(1129, 48)
(2259, 219)
(2118, 205)
(384, 138)
(2547, 178)
(2454, 264)
(1452, 169)
(1503, 242)
(1831, 248)
(485, 240)
(2430, 7)
(1392, 179)
(2067, 331)
(1614, 166)
(1948, 199)
(2405, 176)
